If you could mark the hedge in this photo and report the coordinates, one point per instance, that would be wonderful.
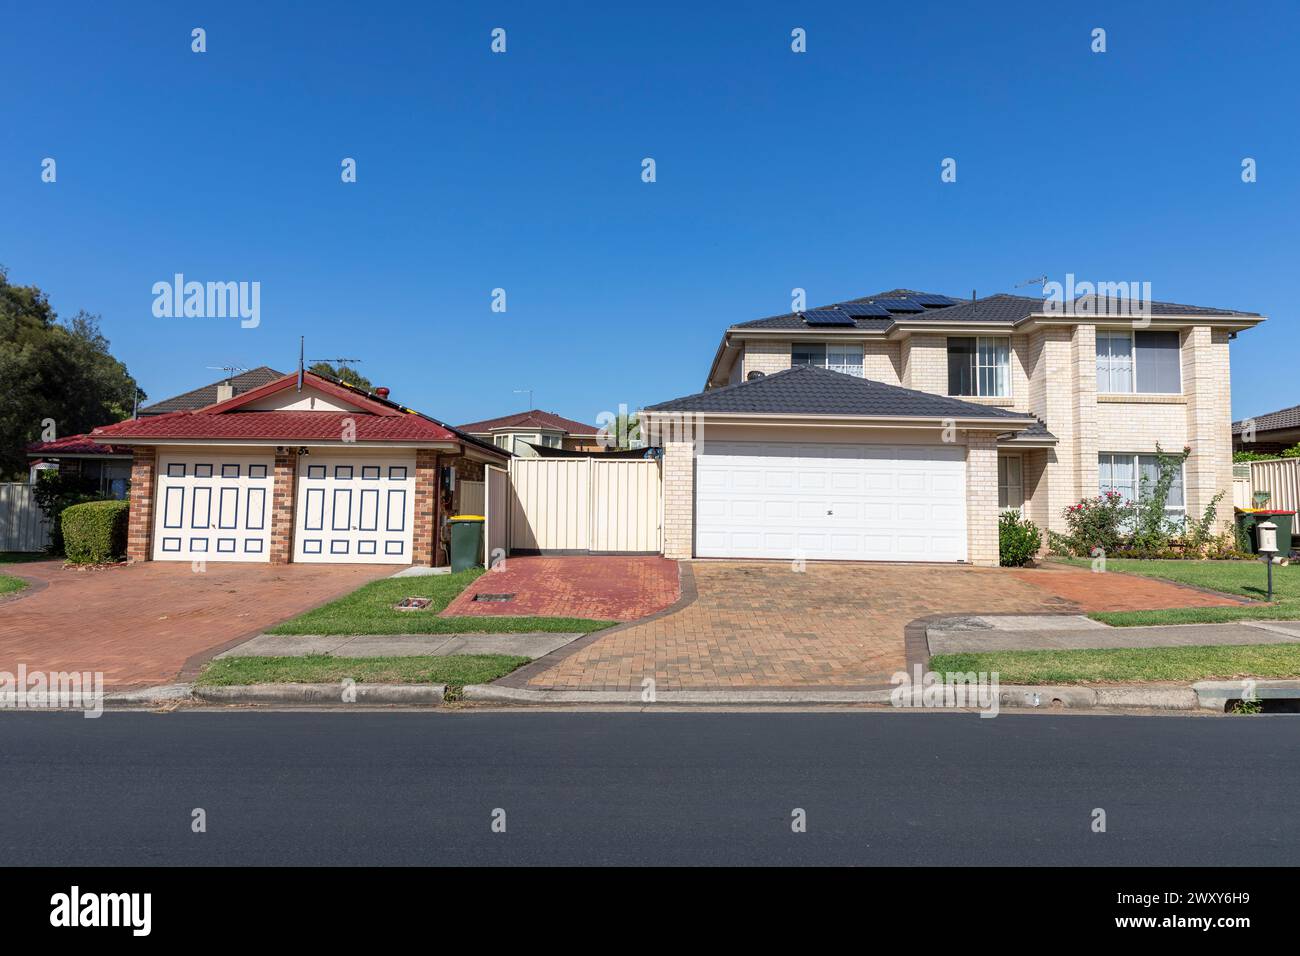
(95, 532)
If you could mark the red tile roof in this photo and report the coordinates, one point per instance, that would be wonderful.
(75, 445)
(280, 426)
(535, 418)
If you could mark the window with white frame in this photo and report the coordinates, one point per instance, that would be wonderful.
(979, 366)
(1011, 483)
(1138, 362)
(1134, 475)
(845, 358)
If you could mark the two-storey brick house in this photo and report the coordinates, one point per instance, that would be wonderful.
(899, 426)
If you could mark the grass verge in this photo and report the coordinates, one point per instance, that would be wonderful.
(455, 670)
(1246, 579)
(1129, 665)
(369, 610)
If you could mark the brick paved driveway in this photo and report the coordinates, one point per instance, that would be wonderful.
(759, 624)
(604, 588)
(141, 623)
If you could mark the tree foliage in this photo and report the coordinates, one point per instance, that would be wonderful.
(52, 370)
(344, 374)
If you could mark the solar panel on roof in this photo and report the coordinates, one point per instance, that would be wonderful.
(925, 298)
(864, 309)
(827, 317)
(901, 305)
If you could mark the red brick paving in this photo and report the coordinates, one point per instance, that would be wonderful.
(1115, 592)
(600, 588)
(140, 623)
(760, 624)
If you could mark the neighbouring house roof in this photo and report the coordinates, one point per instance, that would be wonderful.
(1273, 421)
(533, 418)
(1000, 308)
(207, 395)
(609, 454)
(76, 445)
(809, 390)
(374, 419)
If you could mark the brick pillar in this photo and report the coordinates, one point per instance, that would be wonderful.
(283, 506)
(679, 499)
(982, 498)
(139, 529)
(423, 546)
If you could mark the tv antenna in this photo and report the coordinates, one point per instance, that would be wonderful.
(230, 370)
(1037, 280)
(529, 390)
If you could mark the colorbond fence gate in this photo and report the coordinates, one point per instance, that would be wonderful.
(585, 505)
(22, 523)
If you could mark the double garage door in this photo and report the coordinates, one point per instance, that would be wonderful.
(218, 508)
(845, 502)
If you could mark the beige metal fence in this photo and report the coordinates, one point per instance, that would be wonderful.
(585, 505)
(1280, 478)
(22, 524)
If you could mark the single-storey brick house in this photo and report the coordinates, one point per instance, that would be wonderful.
(900, 426)
(303, 469)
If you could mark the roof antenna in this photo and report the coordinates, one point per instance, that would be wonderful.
(300, 342)
(230, 371)
(1036, 280)
(529, 390)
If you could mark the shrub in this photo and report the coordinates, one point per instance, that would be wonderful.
(1018, 540)
(55, 491)
(1099, 522)
(95, 532)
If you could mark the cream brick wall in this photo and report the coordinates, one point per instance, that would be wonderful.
(982, 498)
(679, 499)
(928, 363)
(766, 357)
(1207, 387)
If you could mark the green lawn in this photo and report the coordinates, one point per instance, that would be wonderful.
(455, 670)
(369, 610)
(8, 583)
(1245, 578)
(1125, 665)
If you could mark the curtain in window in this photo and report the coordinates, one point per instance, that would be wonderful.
(994, 356)
(805, 354)
(844, 358)
(1011, 488)
(1114, 362)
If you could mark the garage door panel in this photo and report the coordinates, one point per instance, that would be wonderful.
(831, 500)
(356, 510)
(212, 510)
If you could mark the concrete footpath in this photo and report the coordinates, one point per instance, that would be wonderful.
(982, 633)
(531, 645)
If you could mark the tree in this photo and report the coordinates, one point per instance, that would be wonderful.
(55, 374)
(343, 374)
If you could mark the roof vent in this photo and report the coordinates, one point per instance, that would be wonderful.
(754, 375)
(381, 391)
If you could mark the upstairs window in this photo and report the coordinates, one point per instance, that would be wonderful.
(838, 358)
(1138, 362)
(1135, 476)
(979, 366)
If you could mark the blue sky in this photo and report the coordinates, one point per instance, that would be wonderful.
(523, 171)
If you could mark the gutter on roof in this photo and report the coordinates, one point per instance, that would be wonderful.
(1218, 321)
(834, 420)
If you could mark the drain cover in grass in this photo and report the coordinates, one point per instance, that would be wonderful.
(411, 604)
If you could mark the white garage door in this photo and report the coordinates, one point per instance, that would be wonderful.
(830, 501)
(213, 507)
(355, 510)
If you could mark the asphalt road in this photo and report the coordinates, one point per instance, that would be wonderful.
(667, 788)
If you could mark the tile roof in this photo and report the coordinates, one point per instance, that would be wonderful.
(1000, 308)
(207, 395)
(1273, 421)
(286, 426)
(533, 418)
(75, 445)
(808, 390)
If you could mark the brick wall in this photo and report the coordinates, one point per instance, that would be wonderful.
(426, 507)
(283, 497)
(765, 357)
(1207, 388)
(139, 530)
(927, 363)
(982, 498)
(679, 499)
